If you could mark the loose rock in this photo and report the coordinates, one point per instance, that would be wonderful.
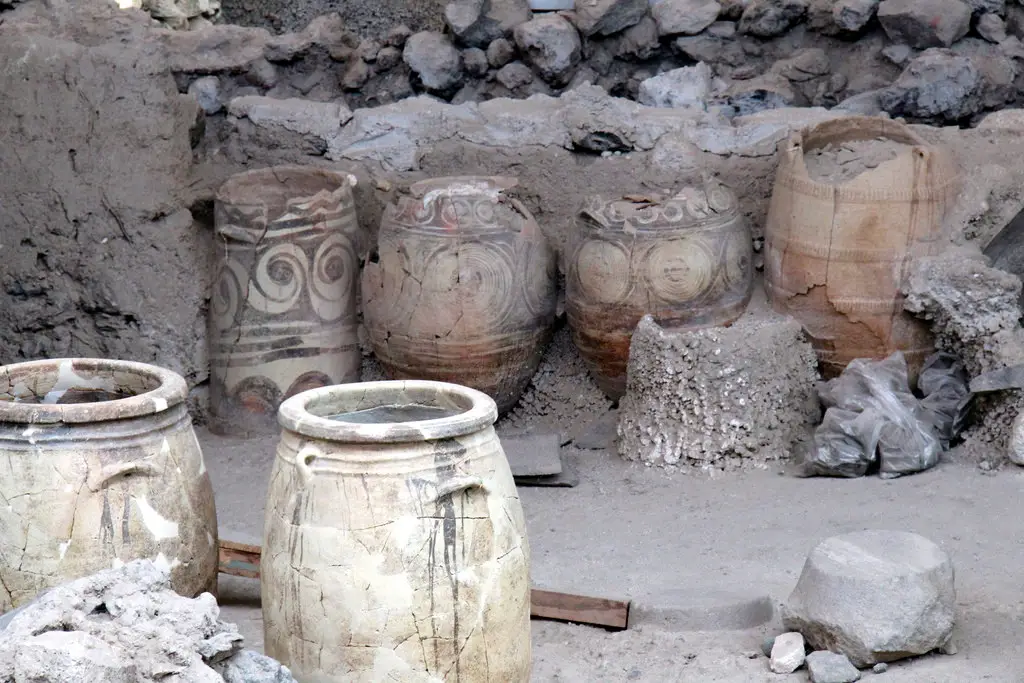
(434, 59)
(874, 596)
(639, 41)
(687, 17)
(388, 58)
(787, 653)
(500, 52)
(991, 27)
(356, 75)
(880, 668)
(126, 625)
(474, 60)
(514, 75)
(937, 85)
(206, 90)
(804, 65)
(605, 17)
(397, 36)
(769, 91)
(854, 15)
(897, 54)
(829, 667)
(551, 45)
(769, 18)
(689, 86)
(925, 23)
(479, 22)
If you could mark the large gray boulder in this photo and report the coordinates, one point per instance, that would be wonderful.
(936, 85)
(874, 596)
(552, 47)
(478, 22)
(925, 23)
(434, 58)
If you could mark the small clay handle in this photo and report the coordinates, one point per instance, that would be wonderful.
(306, 455)
(454, 486)
(121, 469)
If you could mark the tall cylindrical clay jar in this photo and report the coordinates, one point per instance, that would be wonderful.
(100, 467)
(283, 306)
(394, 544)
(684, 259)
(836, 254)
(461, 288)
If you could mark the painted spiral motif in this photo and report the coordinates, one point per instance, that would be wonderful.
(680, 270)
(279, 279)
(226, 302)
(335, 260)
(282, 310)
(602, 269)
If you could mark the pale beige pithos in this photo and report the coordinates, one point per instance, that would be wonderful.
(395, 551)
(100, 466)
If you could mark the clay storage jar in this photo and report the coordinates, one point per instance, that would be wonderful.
(836, 253)
(462, 287)
(100, 467)
(683, 259)
(394, 546)
(283, 307)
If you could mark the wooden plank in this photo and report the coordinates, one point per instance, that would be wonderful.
(239, 559)
(243, 559)
(579, 609)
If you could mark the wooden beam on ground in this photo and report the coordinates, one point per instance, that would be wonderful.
(243, 559)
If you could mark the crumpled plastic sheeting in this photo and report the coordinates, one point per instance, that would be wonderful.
(873, 416)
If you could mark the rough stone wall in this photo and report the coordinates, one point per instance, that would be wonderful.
(367, 16)
(100, 253)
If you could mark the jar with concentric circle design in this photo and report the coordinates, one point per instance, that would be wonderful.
(461, 287)
(686, 260)
(283, 307)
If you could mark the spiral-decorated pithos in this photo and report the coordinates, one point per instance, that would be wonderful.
(684, 259)
(461, 287)
(283, 304)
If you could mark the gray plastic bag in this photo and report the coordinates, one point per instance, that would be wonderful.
(873, 416)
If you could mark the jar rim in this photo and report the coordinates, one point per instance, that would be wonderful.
(157, 390)
(255, 185)
(305, 413)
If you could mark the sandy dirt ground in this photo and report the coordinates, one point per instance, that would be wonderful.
(662, 539)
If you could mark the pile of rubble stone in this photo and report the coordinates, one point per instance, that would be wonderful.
(932, 60)
(126, 625)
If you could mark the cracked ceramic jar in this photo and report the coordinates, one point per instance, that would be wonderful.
(394, 544)
(283, 305)
(461, 288)
(100, 467)
(686, 260)
(836, 254)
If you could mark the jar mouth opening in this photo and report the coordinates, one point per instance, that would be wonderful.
(388, 412)
(276, 186)
(77, 390)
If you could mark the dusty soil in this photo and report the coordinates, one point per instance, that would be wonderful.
(633, 532)
(836, 164)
